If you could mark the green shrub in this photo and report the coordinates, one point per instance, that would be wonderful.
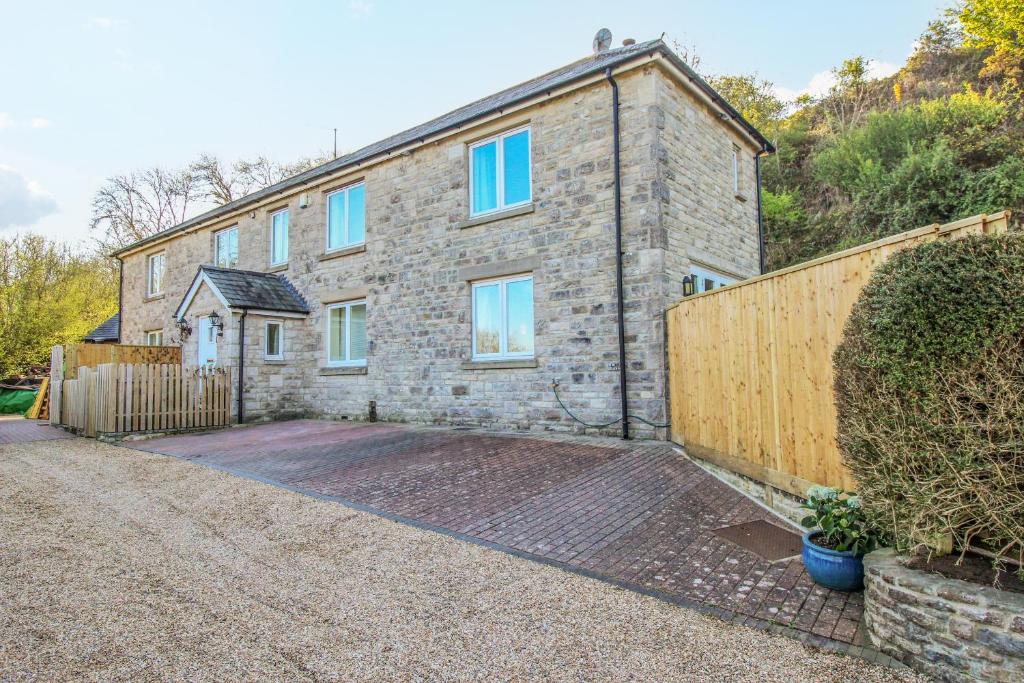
(930, 395)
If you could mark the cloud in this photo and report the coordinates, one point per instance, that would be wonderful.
(40, 122)
(22, 201)
(360, 8)
(102, 23)
(822, 82)
(5, 120)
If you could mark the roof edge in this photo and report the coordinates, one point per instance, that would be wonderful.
(648, 52)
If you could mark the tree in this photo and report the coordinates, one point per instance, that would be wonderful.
(142, 203)
(50, 294)
(222, 185)
(847, 100)
(754, 98)
(997, 25)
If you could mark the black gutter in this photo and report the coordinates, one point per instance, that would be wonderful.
(618, 255)
(241, 365)
(760, 219)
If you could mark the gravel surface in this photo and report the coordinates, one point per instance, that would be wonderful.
(119, 565)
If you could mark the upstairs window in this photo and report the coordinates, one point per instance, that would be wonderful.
(346, 334)
(503, 318)
(155, 338)
(499, 172)
(279, 237)
(273, 347)
(155, 274)
(346, 217)
(226, 248)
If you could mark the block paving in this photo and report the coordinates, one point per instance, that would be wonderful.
(637, 513)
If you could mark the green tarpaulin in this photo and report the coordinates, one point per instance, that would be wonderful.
(14, 401)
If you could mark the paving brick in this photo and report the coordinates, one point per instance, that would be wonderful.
(634, 512)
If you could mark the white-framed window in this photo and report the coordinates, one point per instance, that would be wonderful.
(225, 247)
(155, 338)
(499, 172)
(736, 170)
(273, 340)
(706, 280)
(155, 274)
(346, 217)
(503, 318)
(346, 333)
(279, 237)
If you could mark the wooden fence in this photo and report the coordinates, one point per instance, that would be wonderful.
(93, 355)
(127, 398)
(750, 365)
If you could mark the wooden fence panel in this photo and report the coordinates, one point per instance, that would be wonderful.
(141, 397)
(93, 355)
(750, 365)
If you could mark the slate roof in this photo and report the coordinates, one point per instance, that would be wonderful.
(570, 73)
(107, 331)
(248, 289)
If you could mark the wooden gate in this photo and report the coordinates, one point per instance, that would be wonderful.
(750, 365)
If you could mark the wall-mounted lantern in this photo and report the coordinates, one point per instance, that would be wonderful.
(216, 321)
(689, 285)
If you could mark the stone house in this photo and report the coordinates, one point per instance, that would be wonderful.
(452, 272)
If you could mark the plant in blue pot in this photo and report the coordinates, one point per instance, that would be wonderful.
(838, 539)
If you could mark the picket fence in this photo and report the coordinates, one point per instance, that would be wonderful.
(125, 398)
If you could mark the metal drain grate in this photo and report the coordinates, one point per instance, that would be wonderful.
(764, 539)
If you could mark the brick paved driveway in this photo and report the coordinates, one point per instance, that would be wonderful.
(16, 429)
(638, 514)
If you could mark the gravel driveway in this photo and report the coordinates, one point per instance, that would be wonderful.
(119, 565)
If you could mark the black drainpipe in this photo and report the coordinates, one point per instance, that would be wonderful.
(760, 220)
(618, 255)
(241, 364)
(120, 296)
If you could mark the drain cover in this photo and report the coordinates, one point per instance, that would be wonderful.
(763, 539)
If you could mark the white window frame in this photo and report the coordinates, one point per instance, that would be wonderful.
(503, 353)
(216, 246)
(346, 244)
(162, 255)
(158, 334)
(287, 230)
(361, 363)
(701, 274)
(500, 169)
(736, 170)
(280, 340)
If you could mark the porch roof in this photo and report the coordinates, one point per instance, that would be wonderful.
(246, 290)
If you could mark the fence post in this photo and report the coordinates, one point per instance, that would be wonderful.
(56, 382)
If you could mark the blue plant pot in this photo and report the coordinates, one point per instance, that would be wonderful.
(840, 570)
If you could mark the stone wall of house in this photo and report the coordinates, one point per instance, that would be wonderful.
(705, 222)
(950, 629)
(420, 258)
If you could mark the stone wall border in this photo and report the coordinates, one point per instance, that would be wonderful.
(950, 629)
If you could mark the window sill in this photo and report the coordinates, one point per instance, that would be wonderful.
(277, 268)
(496, 216)
(347, 251)
(503, 364)
(154, 297)
(273, 361)
(344, 370)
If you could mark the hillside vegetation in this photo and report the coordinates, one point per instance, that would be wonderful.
(941, 139)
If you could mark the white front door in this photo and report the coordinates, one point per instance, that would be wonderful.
(207, 342)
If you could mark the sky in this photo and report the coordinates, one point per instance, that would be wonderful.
(93, 89)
